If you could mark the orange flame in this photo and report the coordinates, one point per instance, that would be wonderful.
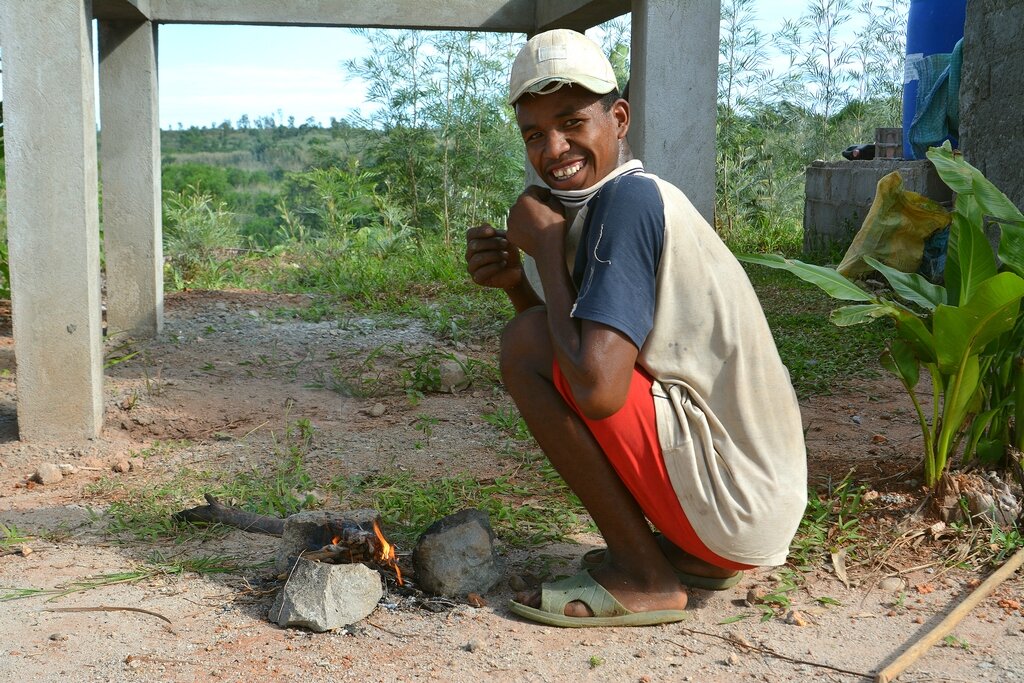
(387, 553)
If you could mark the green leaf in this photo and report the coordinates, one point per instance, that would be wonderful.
(910, 286)
(901, 360)
(913, 331)
(858, 314)
(992, 201)
(961, 331)
(960, 391)
(1011, 246)
(833, 284)
(969, 259)
(951, 167)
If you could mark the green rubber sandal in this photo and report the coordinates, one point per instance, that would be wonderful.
(607, 610)
(592, 559)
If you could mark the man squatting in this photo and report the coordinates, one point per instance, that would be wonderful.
(639, 358)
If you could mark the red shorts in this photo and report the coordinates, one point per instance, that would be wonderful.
(629, 439)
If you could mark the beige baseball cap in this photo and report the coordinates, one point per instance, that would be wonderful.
(560, 57)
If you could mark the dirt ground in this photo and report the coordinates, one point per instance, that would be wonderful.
(217, 390)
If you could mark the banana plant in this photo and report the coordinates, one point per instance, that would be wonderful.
(967, 335)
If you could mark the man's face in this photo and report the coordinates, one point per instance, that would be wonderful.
(571, 141)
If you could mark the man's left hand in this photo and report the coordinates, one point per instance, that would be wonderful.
(535, 220)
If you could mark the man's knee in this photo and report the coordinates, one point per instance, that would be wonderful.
(526, 346)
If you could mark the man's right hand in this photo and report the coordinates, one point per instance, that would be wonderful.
(493, 261)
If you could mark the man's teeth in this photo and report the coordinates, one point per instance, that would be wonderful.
(567, 171)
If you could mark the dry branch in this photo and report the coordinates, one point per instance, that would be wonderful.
(911, 655)
(216, 513)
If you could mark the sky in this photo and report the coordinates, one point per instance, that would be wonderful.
(209, 74)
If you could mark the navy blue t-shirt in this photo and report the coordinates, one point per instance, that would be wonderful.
(616, 265)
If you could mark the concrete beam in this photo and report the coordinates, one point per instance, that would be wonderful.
(121, 10)
(578, 14)
(130, 156)
(515, 16)
(53, 218)
(673, 82)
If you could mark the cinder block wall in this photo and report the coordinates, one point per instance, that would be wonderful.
(839, 195)
(992, 93)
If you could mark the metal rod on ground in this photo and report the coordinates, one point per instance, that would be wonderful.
(911, 655)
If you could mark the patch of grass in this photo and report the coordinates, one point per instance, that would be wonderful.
(147, 514)
(509, 422)
(282, 490)
(10, 535)
(820, 356)
(522, 514)
(154, 568)
(428, 283)
(831, 521)
(162, 448)
(955, 642)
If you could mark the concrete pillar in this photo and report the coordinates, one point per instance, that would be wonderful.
(53, 217)
(130, 163)
(673, 93)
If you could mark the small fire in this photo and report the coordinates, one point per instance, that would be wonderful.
(387, 553)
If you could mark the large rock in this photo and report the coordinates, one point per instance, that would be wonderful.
(456, 556)
(312, 530)
(48, 473)
(324, 597)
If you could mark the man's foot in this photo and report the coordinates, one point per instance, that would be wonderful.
(634, 594)
(689, 569)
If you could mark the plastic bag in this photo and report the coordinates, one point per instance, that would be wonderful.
(895, 229)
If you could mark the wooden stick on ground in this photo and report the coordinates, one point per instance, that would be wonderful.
(911, 655)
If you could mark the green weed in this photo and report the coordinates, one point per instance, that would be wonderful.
(831, 521)
(10, 535)
(282, 490)
(410, 506)
(155, 568)
(509, 422)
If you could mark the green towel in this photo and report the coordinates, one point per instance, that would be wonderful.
(937, 115)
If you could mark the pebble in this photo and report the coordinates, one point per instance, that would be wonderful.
(796, 618)
(856, 419)
(47, 473)
(59, 637)
(891, 584)
(67, 469)
(733, 659)
(474, 645)
(122, 466)
(755, 596)
(377, 410)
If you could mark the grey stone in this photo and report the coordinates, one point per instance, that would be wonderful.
(47, 473)
(312, 530)
(891, 584)
(453, 376)
(323, 597)
(456, 555)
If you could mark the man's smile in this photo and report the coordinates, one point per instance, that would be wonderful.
(568, 171)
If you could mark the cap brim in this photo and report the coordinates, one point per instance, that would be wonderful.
(598, 86)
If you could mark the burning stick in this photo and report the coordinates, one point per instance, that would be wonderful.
(911, 655)
(355, 544)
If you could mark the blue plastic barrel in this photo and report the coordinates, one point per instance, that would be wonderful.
(933, 27)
